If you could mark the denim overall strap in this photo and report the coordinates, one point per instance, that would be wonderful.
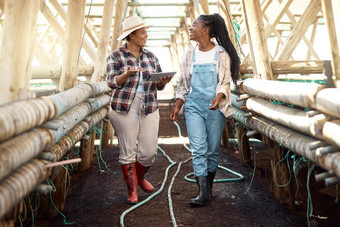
(203, 79)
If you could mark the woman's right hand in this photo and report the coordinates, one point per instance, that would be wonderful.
(122, 78)
(174, 113)
(176, 109)
(133, 71)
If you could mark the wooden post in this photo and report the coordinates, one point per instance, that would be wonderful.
(205, 6)
(224, 5)
(280, 175)
(120, 10)
(257, 38)
(327, 11)
(107, 133)
(86, 152)
(59, 198)
(243, 145)
(18, 38)
(99, 66)
(72, 44)
(11, 217)
(248, 36)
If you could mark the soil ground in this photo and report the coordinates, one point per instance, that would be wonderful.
(97, 198)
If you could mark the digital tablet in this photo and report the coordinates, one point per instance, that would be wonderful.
(157, 76)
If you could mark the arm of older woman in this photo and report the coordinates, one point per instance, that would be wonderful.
(122, 78)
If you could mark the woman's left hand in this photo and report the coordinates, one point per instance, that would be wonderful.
(163, 81)
(216, 101)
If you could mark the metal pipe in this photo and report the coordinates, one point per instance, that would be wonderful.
(20, 116)
(292, 118)
(301, 94)
(23, 148)
(331, 131)
(295, 141)
(327, 101)
(59, 149)
(331, 181)
(235, 101)
(322, 176)
(20, 183)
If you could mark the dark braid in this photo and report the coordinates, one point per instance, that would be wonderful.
(219, 31)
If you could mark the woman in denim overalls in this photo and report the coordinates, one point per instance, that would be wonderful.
(204, 87)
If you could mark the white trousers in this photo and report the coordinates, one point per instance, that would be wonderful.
(134, 129)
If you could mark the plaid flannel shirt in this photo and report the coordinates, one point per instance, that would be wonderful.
(223, 75)
(116, 64)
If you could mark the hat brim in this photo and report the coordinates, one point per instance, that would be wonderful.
(126, 33)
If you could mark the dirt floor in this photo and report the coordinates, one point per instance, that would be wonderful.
(97, 198)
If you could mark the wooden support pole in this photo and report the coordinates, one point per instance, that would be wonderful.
(120, 10)
(248, 36)
(99, 66)
(327, 11)
(280, 173)
(107, 133)
(224, 5)
(243, 145)
(257, 37)
(72, 44)
(312, 38)
(59, 198)
(205, 6)
(17, 44)
(86, 152)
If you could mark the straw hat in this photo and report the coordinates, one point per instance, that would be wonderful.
(132, 24)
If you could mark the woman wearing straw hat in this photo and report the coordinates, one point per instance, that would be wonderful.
(207, 69)
(134, 107)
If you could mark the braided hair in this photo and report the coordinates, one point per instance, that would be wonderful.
(219, 31)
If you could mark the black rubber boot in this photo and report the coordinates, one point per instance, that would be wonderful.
(203, 198)
(211, 176)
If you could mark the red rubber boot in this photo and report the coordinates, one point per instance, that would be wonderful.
(144, 184)
(130, 177)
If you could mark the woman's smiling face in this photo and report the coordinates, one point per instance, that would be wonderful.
(139, 37)
(196, 30)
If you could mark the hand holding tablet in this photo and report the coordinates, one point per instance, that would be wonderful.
(157, 76)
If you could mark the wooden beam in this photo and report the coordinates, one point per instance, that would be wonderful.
(17, 48)
(246, 34)
(327, 11)
(72, 44)
(287, 67)
(275, 20)
(304, 38)
(299, 29)
(42, 56)
(224, 5)
(62, 12)
(257, 37)
(205, 6)
(99, 66)
(54, 71)
(121, 7)
(312, 38)
(55, 24)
